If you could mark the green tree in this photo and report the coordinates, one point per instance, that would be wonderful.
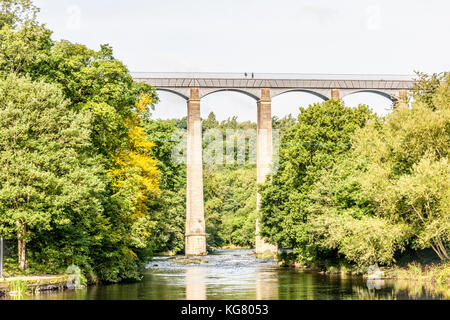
(96, 84)
(321, 134)
(50, 177)
(407, 175)
(425, 87)
(169, 209)
(230, 192)
(343, 219)
(389, 191)
(25, 50)
(17, 12)
(426, 195)
(211, 122)
(239, 204)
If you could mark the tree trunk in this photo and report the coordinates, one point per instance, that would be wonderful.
(21, 245)
(442, 247)
(436, 250)
(439, 248)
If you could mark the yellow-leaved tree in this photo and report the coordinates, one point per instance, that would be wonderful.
(136, 176)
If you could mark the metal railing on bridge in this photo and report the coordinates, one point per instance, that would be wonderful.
(267, 76)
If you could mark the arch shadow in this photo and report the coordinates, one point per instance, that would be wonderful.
(174, 92)
(380, 93)
(321, 96)
(249, 94)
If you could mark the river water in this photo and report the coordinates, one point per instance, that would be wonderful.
(237, 274)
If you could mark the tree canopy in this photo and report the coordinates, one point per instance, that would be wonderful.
(110, 240)
(354, 188)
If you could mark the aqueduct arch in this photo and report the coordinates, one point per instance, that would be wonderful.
(193, 87)
(388, 94)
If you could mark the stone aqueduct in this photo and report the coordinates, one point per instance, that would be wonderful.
(262, 87)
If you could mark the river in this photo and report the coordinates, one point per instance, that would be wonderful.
(237, 274)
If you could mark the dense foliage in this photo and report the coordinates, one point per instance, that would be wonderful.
(168, 210)
(51, 180)
(230, 207)
(102, 226)
(311, 146)
(357, 189)
(408, 174)
(229, 190)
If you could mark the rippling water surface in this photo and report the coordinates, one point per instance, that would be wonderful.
(237, 274)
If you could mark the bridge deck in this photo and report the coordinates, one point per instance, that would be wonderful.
(279, 83)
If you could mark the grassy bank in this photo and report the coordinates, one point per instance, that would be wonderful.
(435, 273)
(419, 266)
(19, 287)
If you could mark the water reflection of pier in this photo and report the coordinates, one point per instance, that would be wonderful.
(195, 283)
(266, 285)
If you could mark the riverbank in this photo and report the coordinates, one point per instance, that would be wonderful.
(414, 278)
(435, 273)
(22, 285)
(438, 273)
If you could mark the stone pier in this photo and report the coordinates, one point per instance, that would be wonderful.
(335, 95)
(403, 99)
(195, 215)
(264, 159)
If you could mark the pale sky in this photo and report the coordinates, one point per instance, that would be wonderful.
(261, 36)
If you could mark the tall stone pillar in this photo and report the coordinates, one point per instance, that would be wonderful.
(402, 99)
(195, 215)
(263, 159)
(335, 94)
